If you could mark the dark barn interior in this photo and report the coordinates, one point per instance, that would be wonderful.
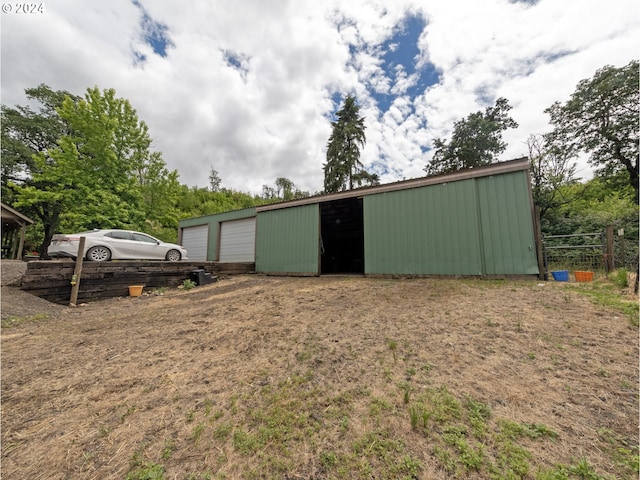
(342, 236)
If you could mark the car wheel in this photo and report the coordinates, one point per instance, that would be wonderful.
(98, 254)
(173, 256)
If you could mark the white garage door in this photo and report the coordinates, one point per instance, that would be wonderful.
(196, 240)
(238, 240)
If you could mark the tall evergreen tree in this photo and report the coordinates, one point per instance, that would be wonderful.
(344, 169)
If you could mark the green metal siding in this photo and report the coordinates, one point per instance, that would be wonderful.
(287, 240)
(431, 230)
(214, 225)
(480, 226)
(461, 225)
(507, 226)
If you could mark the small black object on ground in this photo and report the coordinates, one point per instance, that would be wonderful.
(202, 277)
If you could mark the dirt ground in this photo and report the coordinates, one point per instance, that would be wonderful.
(94, 391)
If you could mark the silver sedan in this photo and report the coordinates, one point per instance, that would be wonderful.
(103, 245)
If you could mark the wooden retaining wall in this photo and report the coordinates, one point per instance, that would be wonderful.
(51, 279)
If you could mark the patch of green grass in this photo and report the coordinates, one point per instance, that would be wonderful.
(147, 471)
(245, 442)
(581, 470)
(377, 451)
(14, 321)
(393, 346)
(623, 452)
(222, 431)
(197, 432)
(514, 431)
(169, 448)
(141, 470)
(190, 416)
(607, 295)
(378, 405)
(267, 426)
(445, 407)
(188, 284)
(466, 440)
(328, 460)
(406, 392)
(208, 406)
(130, 411)
(620, 278)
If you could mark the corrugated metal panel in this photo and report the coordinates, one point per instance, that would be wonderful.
(214, 222)
(432, 230)
(238, 240)
(507, 227)
(287, 240)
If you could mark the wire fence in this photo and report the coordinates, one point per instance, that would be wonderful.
(626, 252)
(581, 252)
(588, 252)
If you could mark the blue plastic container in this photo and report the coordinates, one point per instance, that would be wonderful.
(561, 275)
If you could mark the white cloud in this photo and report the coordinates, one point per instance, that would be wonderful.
(269, 116)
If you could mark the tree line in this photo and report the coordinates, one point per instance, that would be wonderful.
(76, 163)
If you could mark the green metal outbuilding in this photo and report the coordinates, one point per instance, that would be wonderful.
(475, 222)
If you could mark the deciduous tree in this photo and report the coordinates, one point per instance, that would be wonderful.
(99, 171)
(550, 170)
(28, 131)
(601, 119)
(476, 140)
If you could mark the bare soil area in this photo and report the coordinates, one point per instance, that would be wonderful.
(331, 377)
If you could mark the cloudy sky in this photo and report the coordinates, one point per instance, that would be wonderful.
(249, 87)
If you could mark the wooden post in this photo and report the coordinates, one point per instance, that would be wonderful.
(610, 255)
(622, 255)
(23, 230)
(75, 280)
(542, 275)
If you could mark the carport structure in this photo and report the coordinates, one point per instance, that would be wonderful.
(14, 227)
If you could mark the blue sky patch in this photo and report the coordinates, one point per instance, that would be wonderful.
(237, 61)
(400, 63)
(153, 33)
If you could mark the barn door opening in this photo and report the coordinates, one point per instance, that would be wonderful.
(342, 236)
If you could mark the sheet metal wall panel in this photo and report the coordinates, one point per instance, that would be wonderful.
(507, 224)
(238, 240)
(431, 230)
(288, 240)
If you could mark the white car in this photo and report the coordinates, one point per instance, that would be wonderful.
(103, 245)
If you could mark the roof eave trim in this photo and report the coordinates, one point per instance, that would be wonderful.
(486, 171)
(17, 214)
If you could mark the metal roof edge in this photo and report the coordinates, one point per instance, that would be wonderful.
(16, 213)
(189, 219)
(484, 171)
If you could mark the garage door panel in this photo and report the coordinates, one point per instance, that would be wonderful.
(196, 241)
(238, 240)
